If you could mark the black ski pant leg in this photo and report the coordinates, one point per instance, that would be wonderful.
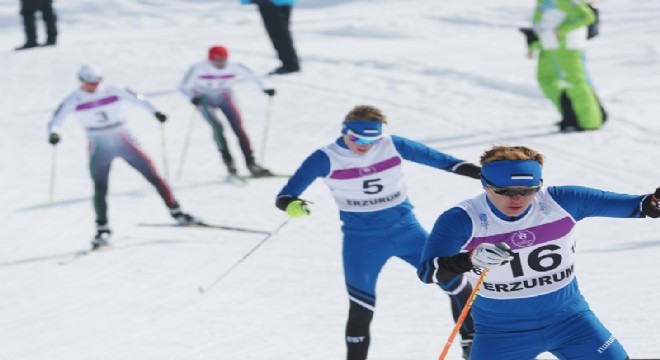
(50, 19)
(28, 10)
(137, 159)
(459, 290)
(357, 331)
(233, 115)
(218, 132)
(276, 21)
(99, 168)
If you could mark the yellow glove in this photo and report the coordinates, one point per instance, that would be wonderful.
(298, 208)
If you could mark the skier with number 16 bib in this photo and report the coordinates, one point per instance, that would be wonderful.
(99, 109)
(363, 169)
(523, 235)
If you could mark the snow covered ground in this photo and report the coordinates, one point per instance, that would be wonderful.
(452, 74)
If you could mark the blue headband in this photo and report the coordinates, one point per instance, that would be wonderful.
(364, 128)
(509, 173)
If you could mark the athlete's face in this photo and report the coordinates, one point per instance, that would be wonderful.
(90, 87)
(219, 62)
(510, 205)
(356, 148)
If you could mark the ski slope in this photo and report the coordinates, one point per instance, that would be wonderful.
(452, 74)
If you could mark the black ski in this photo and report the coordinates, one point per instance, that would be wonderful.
(207, 226)
(83, 253)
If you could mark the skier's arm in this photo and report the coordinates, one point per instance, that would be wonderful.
(245, 73)
(441, 258)
(582, 202)
(315, 166)
(60, 114)
(187, 84)
(579, 14)
(135, 98)
(422, 154)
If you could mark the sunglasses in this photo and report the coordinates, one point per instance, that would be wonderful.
(361, 140)
(513, 192)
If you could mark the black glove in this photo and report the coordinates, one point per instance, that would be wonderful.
(196, 100)
(269, 92)
(54, 138)
(530, 35)
(160, 116)
(651, 205)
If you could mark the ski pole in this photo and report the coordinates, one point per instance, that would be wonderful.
(264, 135)
(53, 166)
(186, 144)
(164, 151)
(464, 314)
(205, 289)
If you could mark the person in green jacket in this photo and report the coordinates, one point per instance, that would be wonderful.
(559, 35)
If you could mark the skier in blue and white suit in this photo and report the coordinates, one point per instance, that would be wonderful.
(523, 235)
(362, 168)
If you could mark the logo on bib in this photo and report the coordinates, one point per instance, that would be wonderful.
(523, 238)
(365, 171)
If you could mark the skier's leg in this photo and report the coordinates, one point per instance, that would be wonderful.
(130, 152)
(218, 135)
(230, 110)
(583, 101)
(363, 259)
(100, 159)
(548, 76)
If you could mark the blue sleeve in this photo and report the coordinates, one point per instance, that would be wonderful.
(582, 202)
(450, 232)
(315, 166)
(422, 154)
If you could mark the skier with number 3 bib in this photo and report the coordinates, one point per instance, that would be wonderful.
(529, 302)
(99, 109)
(363, 170)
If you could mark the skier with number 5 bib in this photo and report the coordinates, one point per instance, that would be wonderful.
(529, 302)
(99, 109)
(363, 170)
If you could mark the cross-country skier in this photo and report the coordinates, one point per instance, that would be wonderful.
(363, 170)
(560, 33)
(529, 302)
(208, 86)
(99, 109)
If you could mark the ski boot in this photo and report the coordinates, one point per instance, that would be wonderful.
(258, 171)
(466, 345)
(102, 237)
(181, 217)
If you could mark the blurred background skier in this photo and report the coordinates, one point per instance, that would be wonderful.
(99, 109)
(208, 86)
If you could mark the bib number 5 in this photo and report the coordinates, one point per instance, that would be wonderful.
(372, 187)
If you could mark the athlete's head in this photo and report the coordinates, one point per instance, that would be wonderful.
(511, 176)
(90, 76)
(218, 56)
(363, 128)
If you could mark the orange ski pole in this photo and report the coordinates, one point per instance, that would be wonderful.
(464, 314)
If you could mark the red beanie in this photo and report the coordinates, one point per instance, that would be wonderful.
(218, 52)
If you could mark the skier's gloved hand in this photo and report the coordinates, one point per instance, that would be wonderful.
(488, 256)
(196, 100)
(54, 138)
(160, 116)
(269, 92)
(651, 204)
(298, 208)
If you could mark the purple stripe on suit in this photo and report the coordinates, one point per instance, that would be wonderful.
(355, 173)
(528, 237)
(209, 77)
(97, 103)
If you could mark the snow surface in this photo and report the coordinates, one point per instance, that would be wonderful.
(452, 74)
